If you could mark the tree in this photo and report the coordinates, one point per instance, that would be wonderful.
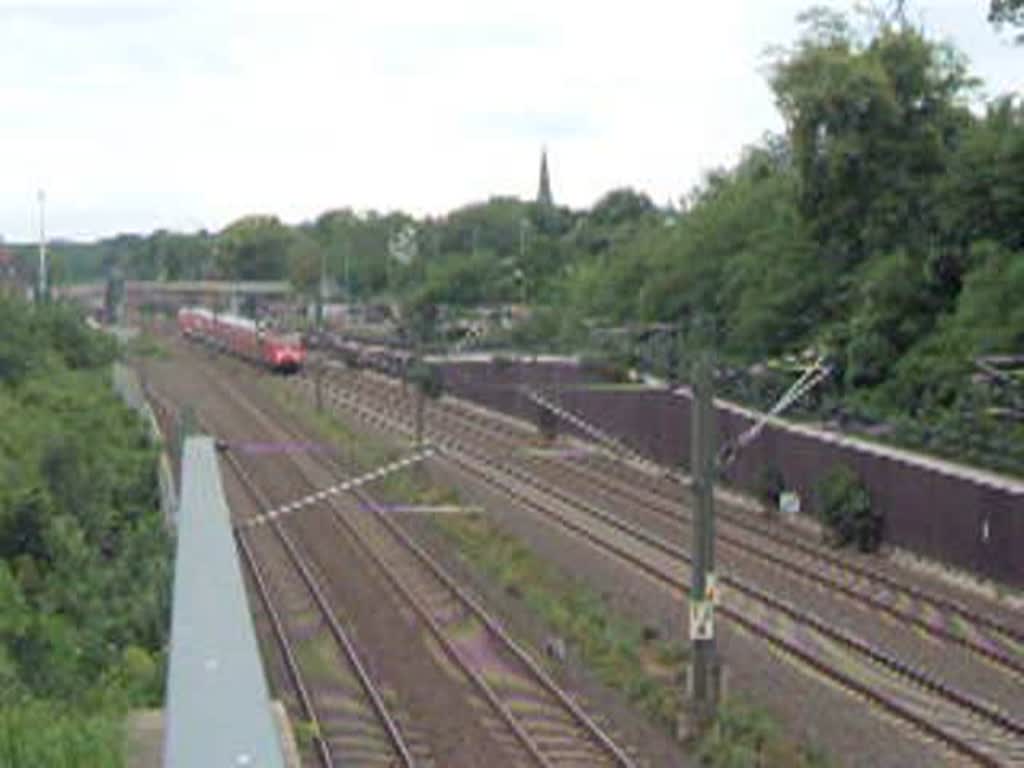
(620, 206)
(872, 124)
(84, 559)
(846, 509)
(982, 195)
(357, 245)
(254, 248)
(305, 259)
(1008, 12)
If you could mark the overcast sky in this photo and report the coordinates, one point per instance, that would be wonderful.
(146, 114)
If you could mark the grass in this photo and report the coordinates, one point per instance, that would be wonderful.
(44, 734)
(406, 486)
(306, 733)
(626, 386)
(146, 345)
(743, 735)
(354, 447)
(623, 655)
(315, 656)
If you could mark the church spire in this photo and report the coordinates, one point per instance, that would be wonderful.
(544, 190)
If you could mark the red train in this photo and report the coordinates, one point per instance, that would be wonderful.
(282, 352)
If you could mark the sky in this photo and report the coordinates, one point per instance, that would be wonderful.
(142, 115)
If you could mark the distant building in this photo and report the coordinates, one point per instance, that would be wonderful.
(544, 197)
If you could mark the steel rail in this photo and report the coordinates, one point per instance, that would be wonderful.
(323, 748)
(805, 572)
(584, 720)
(944, 603)
(898, 667)
(603, 741)
(940, 601)
(337, 631)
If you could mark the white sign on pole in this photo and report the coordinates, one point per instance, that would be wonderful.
(702, 620)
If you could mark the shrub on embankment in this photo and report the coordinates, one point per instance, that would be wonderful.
(84, 557)
(845, 507)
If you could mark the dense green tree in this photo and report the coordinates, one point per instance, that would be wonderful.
(872, 125)
(254, 248)
(983, 198)
(84, 557)
(496, 225)
(620, 206)
(359, 247)
(305, 260)
(1008, 12)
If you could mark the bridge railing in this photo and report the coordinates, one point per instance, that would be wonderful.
(218, 705)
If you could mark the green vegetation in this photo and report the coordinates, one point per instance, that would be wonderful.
(1002, 12)
(427, 377)
(48, 734)
(745, 737)
(146, 345)
(354, 448)
(84, 558)
(622, 655)
(846, 510)
(306, 734)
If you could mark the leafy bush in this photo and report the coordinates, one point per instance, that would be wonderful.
(744, 737)
(427, 377)
(43, 734)
(84, 557)
(846, 510)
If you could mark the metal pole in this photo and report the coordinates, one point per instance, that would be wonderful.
(420, 385)
(348, 284)
(42, 245)
(387, 262)
(318, 373)
(321, 294)
(703, 682)
(420, 397)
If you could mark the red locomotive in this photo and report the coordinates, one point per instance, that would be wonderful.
(282, 352)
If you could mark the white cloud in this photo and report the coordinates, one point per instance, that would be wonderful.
(150, 114)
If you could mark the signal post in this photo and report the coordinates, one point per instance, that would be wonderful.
(704, 674)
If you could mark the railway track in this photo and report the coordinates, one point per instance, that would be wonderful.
(949, 621)
(973, 729)
(535, 721)
(347, 717)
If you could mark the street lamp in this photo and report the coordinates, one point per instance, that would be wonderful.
(41, 195)
(521, 279)
(524, 226)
